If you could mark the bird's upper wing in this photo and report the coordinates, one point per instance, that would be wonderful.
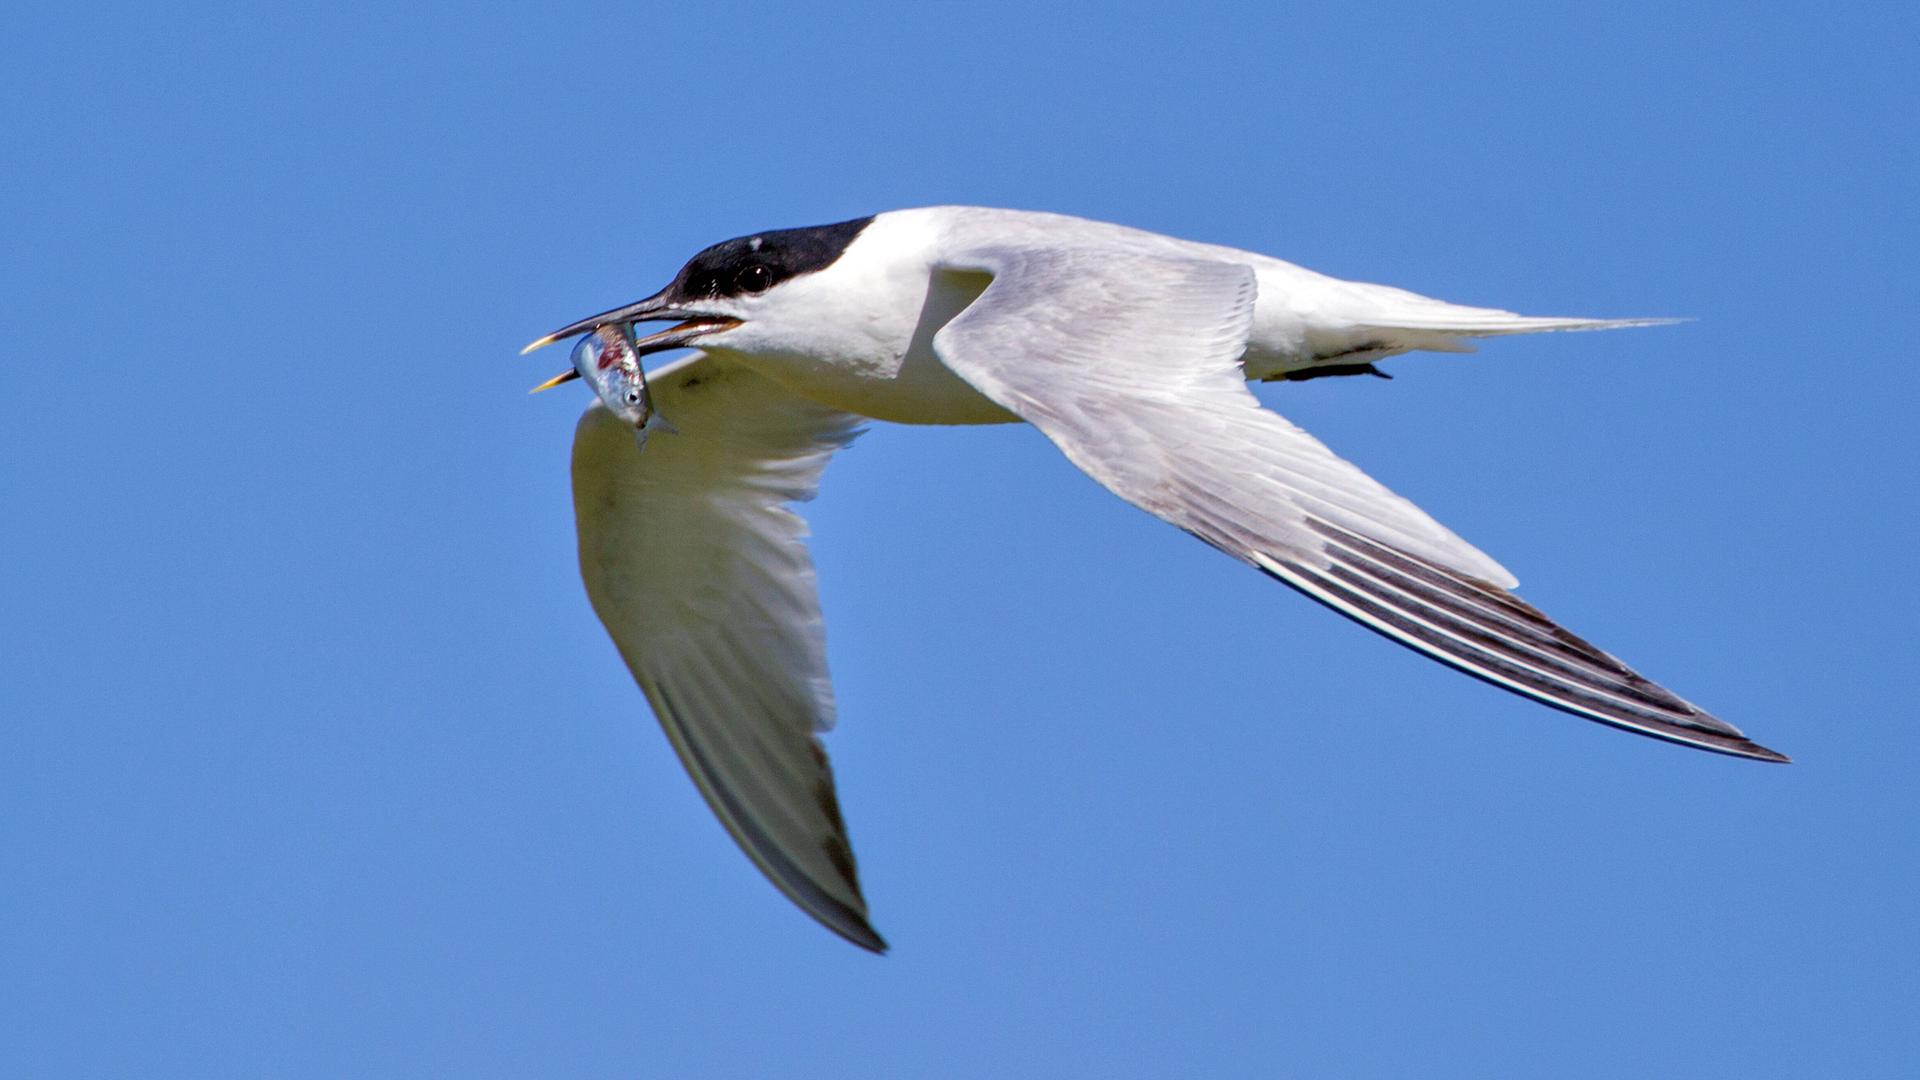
(698, 568)
(1130, 364)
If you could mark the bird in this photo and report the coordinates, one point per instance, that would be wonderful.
(1129, 350)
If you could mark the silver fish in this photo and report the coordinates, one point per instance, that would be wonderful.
(606, 359)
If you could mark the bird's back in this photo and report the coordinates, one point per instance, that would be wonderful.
(1303, 319)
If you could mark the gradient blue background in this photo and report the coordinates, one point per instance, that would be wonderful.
(317, 764)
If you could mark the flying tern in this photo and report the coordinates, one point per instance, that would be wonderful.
(1128, 349)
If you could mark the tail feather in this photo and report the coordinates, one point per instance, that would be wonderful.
(1489, 322)
(1391, 321)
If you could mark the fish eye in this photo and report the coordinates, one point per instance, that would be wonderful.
(754, 278)
(633, 397)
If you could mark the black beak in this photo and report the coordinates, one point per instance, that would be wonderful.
(653, 309)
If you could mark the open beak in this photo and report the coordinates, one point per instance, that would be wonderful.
(653, 309)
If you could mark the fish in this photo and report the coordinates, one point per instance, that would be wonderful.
(606, 359)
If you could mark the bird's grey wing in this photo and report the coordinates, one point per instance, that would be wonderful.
(1130, 364)
(698, 567)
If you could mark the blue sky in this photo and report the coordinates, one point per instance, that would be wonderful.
(316, 763)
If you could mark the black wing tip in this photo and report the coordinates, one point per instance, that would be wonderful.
(864, 936)
(1730, 746)
(1753, 751)
(1729, 742)
(848, 924)
(1727, 739)
(847, 921)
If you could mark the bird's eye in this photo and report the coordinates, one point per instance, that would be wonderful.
(755, 278)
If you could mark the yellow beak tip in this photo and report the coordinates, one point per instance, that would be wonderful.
(564, 377)
(540, 344)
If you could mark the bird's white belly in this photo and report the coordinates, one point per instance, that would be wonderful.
(918, 389)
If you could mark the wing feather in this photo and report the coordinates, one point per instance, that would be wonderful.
(698, 568)
(1130, 364)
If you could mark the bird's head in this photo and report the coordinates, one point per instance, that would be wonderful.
(718, 297)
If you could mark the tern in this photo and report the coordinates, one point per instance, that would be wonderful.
(1129, 350)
